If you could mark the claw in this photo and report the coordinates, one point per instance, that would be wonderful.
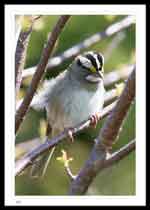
(70, 134)
(94, 119)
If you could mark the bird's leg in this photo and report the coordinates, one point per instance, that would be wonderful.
(94, 119)
(70, 134)
(48, 129)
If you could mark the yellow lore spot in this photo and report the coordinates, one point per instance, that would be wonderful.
(93, 69)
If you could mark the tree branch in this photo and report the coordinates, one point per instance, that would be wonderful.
(111, 160)
(114, 44)
(26, 146)
(69, 173)
(110, 96)
(118, 155)
(104, 141)
(40, 70)
(114, 121)
(75, 50)
(28, 159)
(116, 75)
(20, 54)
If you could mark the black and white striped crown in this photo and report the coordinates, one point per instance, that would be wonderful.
(89, 59)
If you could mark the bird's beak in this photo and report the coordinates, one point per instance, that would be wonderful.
(97, 77)
(100, 74)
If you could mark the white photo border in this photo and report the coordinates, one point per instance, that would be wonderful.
(139, 11)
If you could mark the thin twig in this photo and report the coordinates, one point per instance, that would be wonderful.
(69, 173)
(119, 154)
(76, 49)
(40, 70)
(104, 141)
(28, 159)
(111, 160)
(20, 54)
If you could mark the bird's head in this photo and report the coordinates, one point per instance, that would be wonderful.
(89, 67)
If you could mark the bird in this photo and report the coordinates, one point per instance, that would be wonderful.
(74, 95)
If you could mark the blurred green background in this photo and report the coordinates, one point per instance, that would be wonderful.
(116, 180)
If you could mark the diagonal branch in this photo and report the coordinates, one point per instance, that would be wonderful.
(28, 159)
(26, 146)
(116, 75)
(39, 70)
(114, 121)
(76, 49)
(118, 155)
(104, 141)
(114, 44)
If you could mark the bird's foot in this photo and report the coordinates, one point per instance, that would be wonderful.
(94, 119)
(70, 134)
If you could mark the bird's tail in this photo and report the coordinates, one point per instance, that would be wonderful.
(39, 168)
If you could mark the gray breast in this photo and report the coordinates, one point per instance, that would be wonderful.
(71, 103)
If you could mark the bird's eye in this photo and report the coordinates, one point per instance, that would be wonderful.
(91, 62)
(79, 62)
